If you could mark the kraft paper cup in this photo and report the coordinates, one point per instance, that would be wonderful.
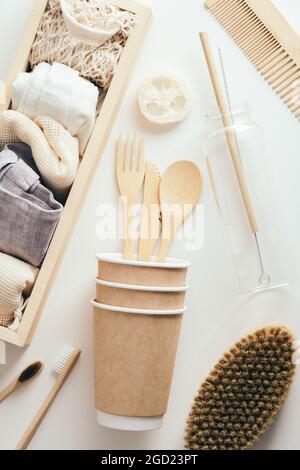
(135, 351)
(113, 268)
(146, 297)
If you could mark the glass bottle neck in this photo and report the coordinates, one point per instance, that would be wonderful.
(235, 116)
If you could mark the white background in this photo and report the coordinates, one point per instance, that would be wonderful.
(217, 316)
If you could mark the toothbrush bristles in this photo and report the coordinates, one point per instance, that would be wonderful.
(63, 358)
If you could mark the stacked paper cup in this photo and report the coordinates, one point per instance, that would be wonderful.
(137, 319)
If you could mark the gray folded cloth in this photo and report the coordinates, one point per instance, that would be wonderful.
(24, 152)
(29, 213)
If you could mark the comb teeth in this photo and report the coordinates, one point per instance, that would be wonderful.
(63, 358)
(271, 51)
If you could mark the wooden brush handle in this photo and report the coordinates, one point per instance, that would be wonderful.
(229, 134)
(35, 423)
(10, 388)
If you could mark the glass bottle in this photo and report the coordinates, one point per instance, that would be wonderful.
(258, 253)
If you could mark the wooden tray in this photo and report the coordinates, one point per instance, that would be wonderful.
(90, 160)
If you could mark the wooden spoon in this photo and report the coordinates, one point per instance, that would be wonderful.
(180, 190)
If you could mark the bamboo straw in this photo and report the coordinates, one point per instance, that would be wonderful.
(234, 151)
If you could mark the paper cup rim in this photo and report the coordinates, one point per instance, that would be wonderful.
(170, 263)
(140, 311)
(118, 285)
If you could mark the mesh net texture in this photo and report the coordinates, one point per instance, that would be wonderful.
(53, 42)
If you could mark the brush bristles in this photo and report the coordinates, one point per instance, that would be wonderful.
(244, 392)
(30, 372)
(274, 63)
(62, 359)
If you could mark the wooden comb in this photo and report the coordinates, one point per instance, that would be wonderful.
(268, 40)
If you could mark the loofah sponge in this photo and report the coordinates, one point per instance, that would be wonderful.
(243, 394)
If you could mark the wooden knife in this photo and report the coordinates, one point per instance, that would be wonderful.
(151, 216)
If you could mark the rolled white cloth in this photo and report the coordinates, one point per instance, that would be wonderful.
(58, 92)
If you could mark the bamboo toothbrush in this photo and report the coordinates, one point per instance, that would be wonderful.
(234, 150)
(63, 367)
(31, 372)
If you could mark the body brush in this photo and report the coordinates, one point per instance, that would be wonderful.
(244, 392)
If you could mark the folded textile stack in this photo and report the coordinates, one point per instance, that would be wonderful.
(45, 133)
(29, 213)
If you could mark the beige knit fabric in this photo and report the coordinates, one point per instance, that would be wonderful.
(16, 282)
(54, 150)
(53, 43)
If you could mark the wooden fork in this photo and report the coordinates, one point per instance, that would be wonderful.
(130, 170)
